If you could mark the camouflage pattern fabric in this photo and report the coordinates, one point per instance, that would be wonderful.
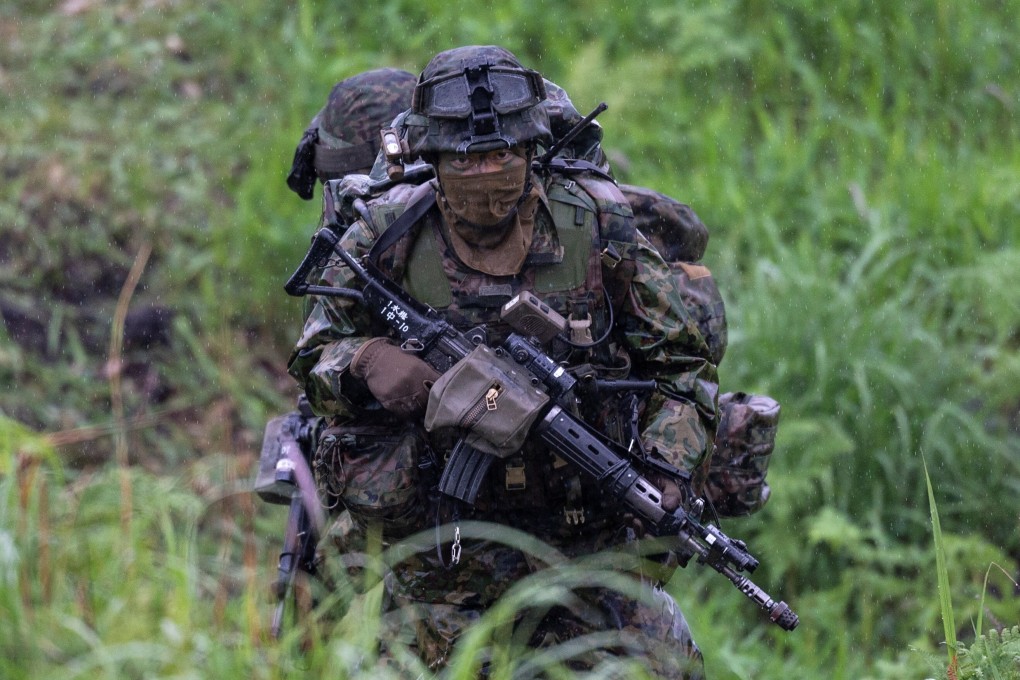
(533, 491)
(350, 122)
(344, 136)
(743, 448)
(673, 228)
(681, 238)
(426, 136)
(702, 298)
(653, 325)
(358, 106)
(373, 471)
(677, 422)
(441, 601)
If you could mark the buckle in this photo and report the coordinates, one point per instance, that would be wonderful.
(611, 257)
(580, 329)
(574, 517)
(515, 477)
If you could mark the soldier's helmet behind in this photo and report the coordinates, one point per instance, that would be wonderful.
(343, 137)
(474, 99)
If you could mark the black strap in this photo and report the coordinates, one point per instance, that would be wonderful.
(342, 161)
(573, 166)
(420, 203)
(301, 179)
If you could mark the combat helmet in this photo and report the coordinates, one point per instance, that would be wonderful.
(474, 99)
(343, 138)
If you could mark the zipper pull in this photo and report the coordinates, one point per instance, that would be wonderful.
(490, 398)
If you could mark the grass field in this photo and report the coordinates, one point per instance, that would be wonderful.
(858, 166)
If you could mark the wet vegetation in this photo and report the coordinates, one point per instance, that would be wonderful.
(857, 163)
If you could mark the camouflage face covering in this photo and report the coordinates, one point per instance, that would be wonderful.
(507, 246)
(483, 199)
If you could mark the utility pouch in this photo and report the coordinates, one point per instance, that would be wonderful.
(373, 470)
(743, 448)
(701, 297)
(487, 395)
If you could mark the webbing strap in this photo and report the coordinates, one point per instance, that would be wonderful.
(421, 202)
(344, 160)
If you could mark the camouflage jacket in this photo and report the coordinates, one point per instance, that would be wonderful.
(584, 240)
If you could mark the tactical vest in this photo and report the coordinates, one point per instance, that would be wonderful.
(584, 244)
(588, 248)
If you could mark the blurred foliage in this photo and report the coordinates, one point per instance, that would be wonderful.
(858, 165)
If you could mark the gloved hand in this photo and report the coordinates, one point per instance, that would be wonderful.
(399, 380)
(672, 494)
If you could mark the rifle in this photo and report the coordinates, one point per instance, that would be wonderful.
(441, 345)
(284, 478)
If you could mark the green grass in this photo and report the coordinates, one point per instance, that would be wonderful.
(858, 165)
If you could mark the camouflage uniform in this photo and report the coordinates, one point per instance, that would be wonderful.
(655, 330)
(384, 471)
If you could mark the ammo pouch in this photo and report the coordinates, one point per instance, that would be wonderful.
(486, 394)
(743, 447)
(373, 470)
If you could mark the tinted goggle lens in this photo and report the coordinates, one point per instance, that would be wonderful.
(448, 97)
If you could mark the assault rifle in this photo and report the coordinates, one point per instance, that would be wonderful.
(437, 342)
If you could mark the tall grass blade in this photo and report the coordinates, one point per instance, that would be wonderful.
(984, 592)
(945, 596)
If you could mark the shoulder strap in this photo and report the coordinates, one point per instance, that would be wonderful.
(617, 233)
(573, 166)
(420, 202)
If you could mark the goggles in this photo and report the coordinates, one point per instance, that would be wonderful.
(453, 96)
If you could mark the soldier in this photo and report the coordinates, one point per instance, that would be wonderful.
(343, 137)
(489, 227)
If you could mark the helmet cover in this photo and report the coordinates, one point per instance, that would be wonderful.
(475, 99)
(343, 137)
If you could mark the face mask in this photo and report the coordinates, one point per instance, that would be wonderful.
(485, 199)
(496, 250)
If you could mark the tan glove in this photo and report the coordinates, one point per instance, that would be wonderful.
(672, 494)
(399, 380)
